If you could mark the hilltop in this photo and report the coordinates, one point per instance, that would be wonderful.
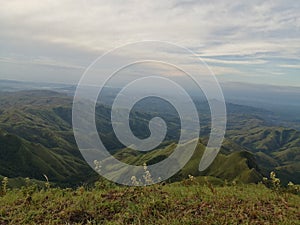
(193, 201)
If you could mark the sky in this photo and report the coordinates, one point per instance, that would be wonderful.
(241, 41)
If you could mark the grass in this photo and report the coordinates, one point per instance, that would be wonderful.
(193, 201)
(239, 165)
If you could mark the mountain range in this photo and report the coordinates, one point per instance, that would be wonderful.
(36, 138)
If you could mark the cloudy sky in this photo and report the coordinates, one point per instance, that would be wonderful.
(242, 41)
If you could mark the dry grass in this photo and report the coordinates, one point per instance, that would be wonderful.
(188, 202)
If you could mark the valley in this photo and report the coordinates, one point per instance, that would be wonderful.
(36, 132)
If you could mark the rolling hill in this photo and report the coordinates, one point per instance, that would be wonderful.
(20, 158)
(36, 127)
(275, 149)
(236, 166)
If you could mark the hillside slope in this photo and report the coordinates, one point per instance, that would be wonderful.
(238, 165)
(20, 158)
(276, 149)
(42, 120)
(187, 202)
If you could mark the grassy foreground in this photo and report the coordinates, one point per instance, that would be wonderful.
(187, 202)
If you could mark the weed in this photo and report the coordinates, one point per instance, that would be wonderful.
(4, 185)
(156, 204)
(210, 186)
(147, 175)
(47, 184)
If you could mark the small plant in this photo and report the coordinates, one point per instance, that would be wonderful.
(80, 190)
(265, 180)
(292, 188)
(233, 183)
(4, 185)
(27, 182)
(28, 190)
(191, 178)
(275, 181)
(134, 181)
(147, 176)
(190, 181)
(47, 184)
(275, 184)
(97, 165)
(210, 186)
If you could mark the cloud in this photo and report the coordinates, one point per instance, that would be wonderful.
(219, 70)
(41, 62)
(246, 32)
(104, 24)
(234, 62)
(290, 66)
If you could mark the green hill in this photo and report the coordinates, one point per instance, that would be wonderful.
(276, 149)
(267, 139)
(239, 165)
(37, 126)
(20, 158)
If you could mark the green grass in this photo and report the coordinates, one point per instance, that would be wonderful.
(187, 202)
(239, 165)
(36, 138)
(275, 148)
(20, 158)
